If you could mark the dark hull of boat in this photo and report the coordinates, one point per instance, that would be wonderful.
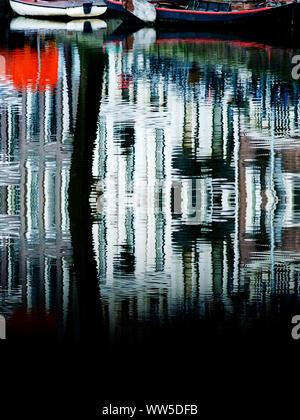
(266, 17)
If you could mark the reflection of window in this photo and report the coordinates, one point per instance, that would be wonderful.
(101, 245)
(125, 136)
(14, 136)
(9, 200)
(50, 117)
(64, 213)
(50, 282)
(2, 200)
(34, 284)
(50, 199)
(33, 117)
(2, 125)
(13, 264)
(296, 197)
(14, 199)
(32, 200)
(253, 203)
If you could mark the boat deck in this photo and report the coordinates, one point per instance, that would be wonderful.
(59, 3)
(208, 6)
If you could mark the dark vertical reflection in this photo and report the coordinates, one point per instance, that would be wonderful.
(85, 307)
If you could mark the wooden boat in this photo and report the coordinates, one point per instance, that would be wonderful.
(58, 8)
(210, 12)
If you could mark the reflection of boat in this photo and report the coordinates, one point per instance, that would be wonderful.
(74, 9)
(167, 37)
(140, 39)
(34, 25)
(213, 12)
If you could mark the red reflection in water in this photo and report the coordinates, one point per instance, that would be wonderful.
(29, 69)
(124, 80)
(32, 324)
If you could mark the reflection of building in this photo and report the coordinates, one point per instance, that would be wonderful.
(156, 134)
(36, 142)
(198, 167)
(181, 129)
(269, 221)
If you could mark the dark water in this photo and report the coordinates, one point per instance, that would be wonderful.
(148, 182)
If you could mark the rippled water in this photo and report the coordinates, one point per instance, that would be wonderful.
(146, 178)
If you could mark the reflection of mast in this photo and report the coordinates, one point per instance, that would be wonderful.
(159, 214)
(217, 152)
(273, 204)
(39, 60)
(236, 154)
(85, 285)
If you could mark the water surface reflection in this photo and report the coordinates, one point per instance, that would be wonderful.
(147, 179)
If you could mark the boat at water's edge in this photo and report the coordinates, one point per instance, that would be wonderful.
(58, 8)
(216, 13)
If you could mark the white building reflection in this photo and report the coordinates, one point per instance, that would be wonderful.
(36, 140)
(225, 137)
(196, 189)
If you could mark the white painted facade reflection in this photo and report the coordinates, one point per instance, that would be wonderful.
(35, 173)
(200, 186)
(165, 119)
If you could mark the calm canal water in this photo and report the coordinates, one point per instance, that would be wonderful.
(147, 180)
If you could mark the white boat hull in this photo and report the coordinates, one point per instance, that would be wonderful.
(37, 10)
(44, 26)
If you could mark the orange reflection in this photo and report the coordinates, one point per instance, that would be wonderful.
(30, 70)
